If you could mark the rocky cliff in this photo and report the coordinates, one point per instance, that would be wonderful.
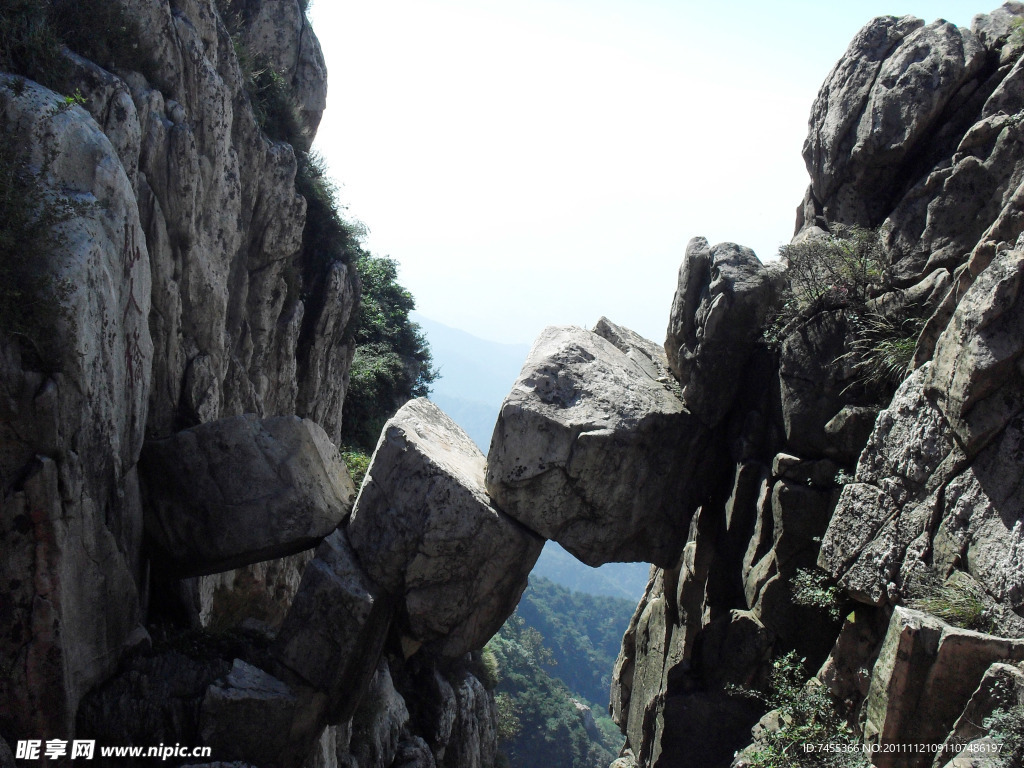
(915, 135)
(185, 559)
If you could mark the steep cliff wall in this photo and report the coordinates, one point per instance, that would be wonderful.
(916, 132)
(183, 308)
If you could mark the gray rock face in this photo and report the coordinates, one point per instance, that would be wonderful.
(476, 724)
(921, 657)
(912, 130)
(378, 723)
(281, 33)
(414, 753)
(884, 95)
(425, 530)
(334, 632)
(240, 490)
(813, 375)
(72, 416)
(975, 373)
(592, 452)
(888, 506)
(918, 497)
(722, 300)
(179, 313)
(1002, 686)
(156, 697)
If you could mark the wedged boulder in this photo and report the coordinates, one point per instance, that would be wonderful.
(925, 675)
(592, 452)
(240, 490)
(425, 530)
(334, 632)
(723, 298)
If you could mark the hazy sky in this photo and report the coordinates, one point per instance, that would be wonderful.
(534, 162)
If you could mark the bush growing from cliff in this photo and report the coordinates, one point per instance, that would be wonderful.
(883, 349)
(844, 268)
(392, 362)
(956, 602)
(814, 589)
(807, 715)
(839, 270)
(327, 237)
(1006, 727)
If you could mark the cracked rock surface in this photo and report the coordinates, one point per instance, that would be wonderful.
(592, 452)
(425, 530)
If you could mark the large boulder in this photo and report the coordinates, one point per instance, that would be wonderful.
(591, 451)
(721, 303)
(242, 489)
(426, 531)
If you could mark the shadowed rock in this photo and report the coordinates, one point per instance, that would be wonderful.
(721, 302)
(250, 715)
(426, 531)
(592, 452)
(241, 490)
(335, 630)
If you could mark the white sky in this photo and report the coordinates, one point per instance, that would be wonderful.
(534, 162)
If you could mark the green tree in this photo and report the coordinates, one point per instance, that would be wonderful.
(538, 720)
(392, 361)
